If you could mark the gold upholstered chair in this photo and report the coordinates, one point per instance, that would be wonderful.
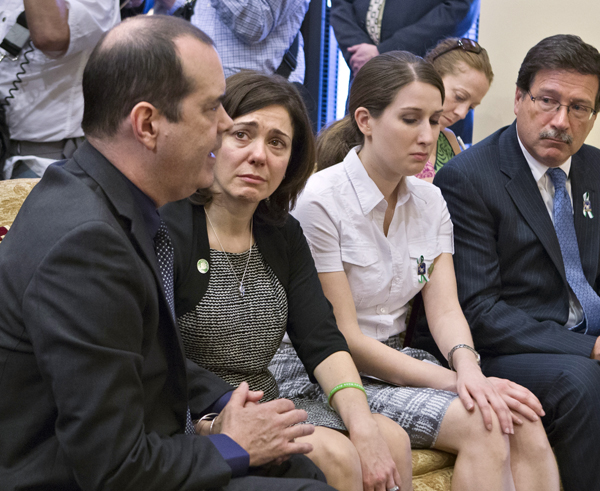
(432, 470)
(12, 194)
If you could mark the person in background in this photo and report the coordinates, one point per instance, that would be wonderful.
(366, 28)
(245, 277)
(467, 75)
(525, 204)
(41, 88)
(378, 236)
(255, 35)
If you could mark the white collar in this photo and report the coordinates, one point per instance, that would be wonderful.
(538, 169)
(367, 192)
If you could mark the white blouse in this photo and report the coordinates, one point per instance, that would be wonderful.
(341, 211)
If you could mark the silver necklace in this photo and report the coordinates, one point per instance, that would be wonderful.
(241, 289)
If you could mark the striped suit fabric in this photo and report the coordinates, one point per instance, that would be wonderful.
(514, 292)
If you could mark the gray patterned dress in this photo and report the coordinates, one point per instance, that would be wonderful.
(236, 337)
(418, 410)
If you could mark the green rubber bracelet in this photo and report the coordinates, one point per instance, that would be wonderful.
(345, 385)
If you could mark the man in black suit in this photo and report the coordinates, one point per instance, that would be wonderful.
(94, 388)
(528, 248)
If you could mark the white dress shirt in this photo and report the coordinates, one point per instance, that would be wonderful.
(342, 212)
(546, 187)
(48, 105)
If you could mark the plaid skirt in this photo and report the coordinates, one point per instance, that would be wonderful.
(418, 410)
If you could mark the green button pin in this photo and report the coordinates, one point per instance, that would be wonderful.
(202, 266)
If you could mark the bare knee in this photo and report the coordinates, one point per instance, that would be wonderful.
(342, 454)
(530, 439)
(464, 432)
(337, 457)
(397, 439)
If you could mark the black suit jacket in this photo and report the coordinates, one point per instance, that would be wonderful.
(409, 25)
(93, 390)
(511, 278)
(311, 324)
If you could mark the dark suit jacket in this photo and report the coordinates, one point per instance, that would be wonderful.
(93, 390)
(511, 278)
(409, 25)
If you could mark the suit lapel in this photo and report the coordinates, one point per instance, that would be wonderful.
(119, 195)
(584, 179)
(526, 196)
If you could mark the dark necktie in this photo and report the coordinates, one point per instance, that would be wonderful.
(164, 253)
(565, 231)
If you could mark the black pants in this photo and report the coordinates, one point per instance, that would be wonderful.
(296, 474)
(569, 388)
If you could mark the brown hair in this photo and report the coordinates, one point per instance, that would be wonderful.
(375, 87)
(249, 91)
(560, 52)
(449, 62)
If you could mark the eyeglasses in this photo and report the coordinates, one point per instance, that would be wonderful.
(464, 43)
(548, 104)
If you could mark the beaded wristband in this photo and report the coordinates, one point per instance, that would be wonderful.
(345, 385)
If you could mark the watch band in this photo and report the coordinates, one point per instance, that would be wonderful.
(458, 346)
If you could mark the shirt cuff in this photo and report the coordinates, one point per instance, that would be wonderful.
(218, 406)
(235, 456)
(328, 262)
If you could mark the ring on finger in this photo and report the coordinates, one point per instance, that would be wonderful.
(395, 488)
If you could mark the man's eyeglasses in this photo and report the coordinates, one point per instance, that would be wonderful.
(548, 104)
(465, 44)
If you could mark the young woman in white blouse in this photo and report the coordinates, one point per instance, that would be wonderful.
(379, 236)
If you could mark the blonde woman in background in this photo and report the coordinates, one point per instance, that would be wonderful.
(467, 75)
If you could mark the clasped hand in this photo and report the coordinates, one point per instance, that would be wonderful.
(361, 53)
(266, 431)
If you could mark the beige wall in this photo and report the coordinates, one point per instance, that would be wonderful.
(507, 29)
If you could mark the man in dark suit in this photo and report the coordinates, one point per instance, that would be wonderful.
(94, 388)
(363, 31)
(528, 248)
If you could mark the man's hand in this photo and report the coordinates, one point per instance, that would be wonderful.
(361, 53)
(596, 351)
(265, 431)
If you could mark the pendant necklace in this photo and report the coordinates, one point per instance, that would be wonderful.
(241, 289)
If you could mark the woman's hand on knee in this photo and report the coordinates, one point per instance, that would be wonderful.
(474, 388)
(520, 400)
